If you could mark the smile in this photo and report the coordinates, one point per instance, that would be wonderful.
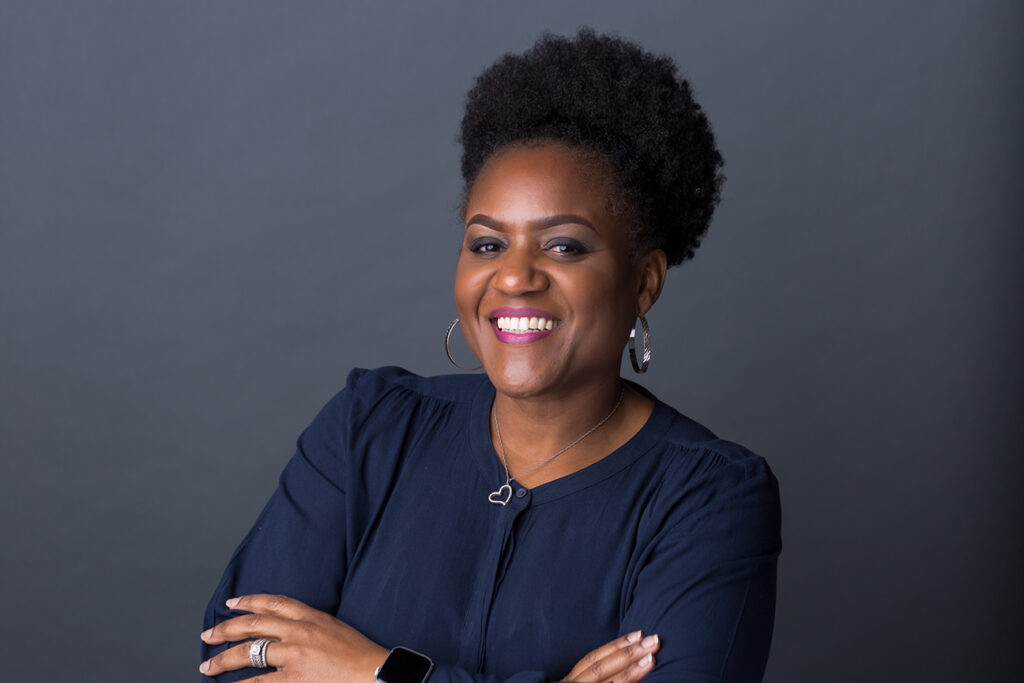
(522, 325)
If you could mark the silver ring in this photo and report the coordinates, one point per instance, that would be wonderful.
(258, 653)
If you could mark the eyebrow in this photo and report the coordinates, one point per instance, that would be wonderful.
(539, 224)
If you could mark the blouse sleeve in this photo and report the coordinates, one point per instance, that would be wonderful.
(707, 583)
(297, 545)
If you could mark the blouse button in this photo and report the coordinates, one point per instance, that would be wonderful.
(520, 493)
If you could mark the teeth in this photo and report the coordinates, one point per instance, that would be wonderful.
(523, 325)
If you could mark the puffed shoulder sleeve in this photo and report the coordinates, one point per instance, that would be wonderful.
(706, 582)
(297, 545)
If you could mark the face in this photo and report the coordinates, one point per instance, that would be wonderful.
(547, 287)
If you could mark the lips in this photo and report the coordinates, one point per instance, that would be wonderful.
(522, 325)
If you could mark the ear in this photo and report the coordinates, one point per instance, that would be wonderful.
(651, 271)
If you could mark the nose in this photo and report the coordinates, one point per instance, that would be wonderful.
(518, 272)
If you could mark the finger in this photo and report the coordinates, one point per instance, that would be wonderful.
(635, 672)
(277, 605)
(237, 657)
(618, 662)
(600, 653)
(249, 626)
(617, 665)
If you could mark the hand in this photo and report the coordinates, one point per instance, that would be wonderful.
(624, 660)
(306, 644)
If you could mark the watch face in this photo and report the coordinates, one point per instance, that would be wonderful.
(404, 666)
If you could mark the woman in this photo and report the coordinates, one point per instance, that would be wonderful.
(547, 519)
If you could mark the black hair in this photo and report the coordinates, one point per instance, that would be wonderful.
(601, 94)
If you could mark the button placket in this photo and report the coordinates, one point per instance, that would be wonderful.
(507, 517)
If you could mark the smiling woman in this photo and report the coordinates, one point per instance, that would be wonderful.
(547, 519)
(540, 234)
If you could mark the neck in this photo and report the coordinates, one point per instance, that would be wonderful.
(535, 428)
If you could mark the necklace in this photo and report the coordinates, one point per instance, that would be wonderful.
(504, 492)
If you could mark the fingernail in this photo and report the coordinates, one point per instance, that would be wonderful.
(232, 602)
(205, 666)
(649, 642)
(645, 661)
(634, 636)
(206, 634)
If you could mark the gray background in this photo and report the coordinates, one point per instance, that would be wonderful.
(210, 211)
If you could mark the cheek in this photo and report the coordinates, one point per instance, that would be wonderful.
(605, 296)
(470, 284)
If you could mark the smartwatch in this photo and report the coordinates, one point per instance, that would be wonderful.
(404, 666)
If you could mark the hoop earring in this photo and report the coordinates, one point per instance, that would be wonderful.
(641, 366)
(448, 348)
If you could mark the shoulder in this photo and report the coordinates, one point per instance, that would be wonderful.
(687, 445)
(366, 388)
(390, 394)
(383, 410)
(708, 480)
(368, 383)
(694, 445)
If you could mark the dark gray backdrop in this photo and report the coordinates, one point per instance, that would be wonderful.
(210, 211)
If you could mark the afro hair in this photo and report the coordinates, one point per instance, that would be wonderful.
(601, 94)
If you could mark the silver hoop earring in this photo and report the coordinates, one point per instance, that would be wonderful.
(448, 348)
(640, 366)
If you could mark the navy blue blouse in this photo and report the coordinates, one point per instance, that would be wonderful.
(381, 517)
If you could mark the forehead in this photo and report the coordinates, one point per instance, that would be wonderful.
(523, 182)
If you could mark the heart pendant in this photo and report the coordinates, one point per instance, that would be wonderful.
(502, 496)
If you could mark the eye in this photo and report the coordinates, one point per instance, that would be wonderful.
(565, 246)
(485, 246)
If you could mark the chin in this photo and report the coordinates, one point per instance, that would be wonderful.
(521, 380)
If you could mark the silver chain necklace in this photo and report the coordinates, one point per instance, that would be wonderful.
(504, 492)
